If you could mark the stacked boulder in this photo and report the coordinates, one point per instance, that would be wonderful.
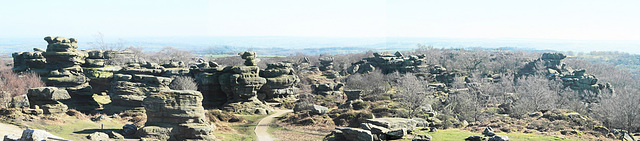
(47, 100)
(63, 70)
(176, 115)
(100, 74)
(327, 89)
(326, 63)
(241, 85)
(377, 129)
(281, 82)
(133, 83)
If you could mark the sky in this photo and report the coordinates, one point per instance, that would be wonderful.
(540, 19)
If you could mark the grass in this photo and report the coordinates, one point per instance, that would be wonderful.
(457, 135)
(71, 128)
(244, 131)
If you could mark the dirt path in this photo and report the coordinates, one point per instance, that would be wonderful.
(6, 129)
(263, 125)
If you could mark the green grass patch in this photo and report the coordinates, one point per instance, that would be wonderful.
(457, 135)
(245, 132)
(75, 129)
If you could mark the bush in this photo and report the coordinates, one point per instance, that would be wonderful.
(219, 115)
(183, 83)
(14, 84)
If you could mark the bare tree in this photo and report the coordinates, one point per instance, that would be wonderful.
(534, 94)
(413, 94)
(99, 43)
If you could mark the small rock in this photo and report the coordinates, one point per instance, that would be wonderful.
(475, 138)
(260, 111)
(488, 132)
(115, 135)
(98, 136)
(422, 138)
(317, 109)
(499, 138)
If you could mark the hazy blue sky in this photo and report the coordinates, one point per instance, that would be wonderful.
(544, 19)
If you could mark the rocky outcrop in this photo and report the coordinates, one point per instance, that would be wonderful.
(63, 70)
(237, 88)
(281, 82)
(578, 80)
(48, 99)
(327, 89)
(353, 100)
(28, 61)
(135, 82)
(176, 115)
(389, 63)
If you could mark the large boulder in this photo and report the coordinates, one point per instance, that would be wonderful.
(37, 135)
(355, 134)
(47, 94)
(394, 123)
(46, 98)
(176, 115)
(98, 136)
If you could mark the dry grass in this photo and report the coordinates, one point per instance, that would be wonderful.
(289, 132)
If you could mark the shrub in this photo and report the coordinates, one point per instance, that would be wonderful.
(183, 83)
(219, 115)
(14, 84)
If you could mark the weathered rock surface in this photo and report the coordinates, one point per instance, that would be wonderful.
(281, 82)
(355, 134)
(47, 99)
(327, 89)
(98, 136)
(394, 123)
(32, 135)
(176, 115)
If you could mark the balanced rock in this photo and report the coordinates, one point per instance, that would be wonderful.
(176, 115)
(281, 82)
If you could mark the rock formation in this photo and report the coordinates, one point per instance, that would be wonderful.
(48, 99)
(326, 63)
(281, 82)
(133, 83)
(176, 115)
(578, 80)
(389, 63)
(377, 129)
(241, 85)
(327, 89)
(28, 61)
(240, 88)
